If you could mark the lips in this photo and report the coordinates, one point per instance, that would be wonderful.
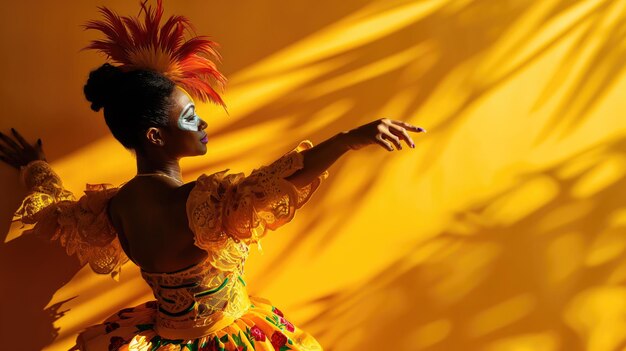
(204, 139)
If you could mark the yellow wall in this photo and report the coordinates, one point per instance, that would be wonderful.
(503, 230)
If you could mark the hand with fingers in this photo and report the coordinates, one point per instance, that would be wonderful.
(383, 132)
(19, 152)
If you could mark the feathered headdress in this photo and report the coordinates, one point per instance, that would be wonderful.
(134, 45)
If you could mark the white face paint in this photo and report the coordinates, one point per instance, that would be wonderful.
(188, 120)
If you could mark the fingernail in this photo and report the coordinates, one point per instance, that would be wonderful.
(413, 146)
(421, 129)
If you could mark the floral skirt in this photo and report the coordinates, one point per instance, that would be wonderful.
(262, 327)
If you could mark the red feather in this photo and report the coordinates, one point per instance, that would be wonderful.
(147, 45)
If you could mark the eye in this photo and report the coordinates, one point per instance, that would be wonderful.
(190, 118)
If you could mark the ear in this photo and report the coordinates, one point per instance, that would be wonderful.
(154, 136)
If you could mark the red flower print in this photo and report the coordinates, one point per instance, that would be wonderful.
(110, 326)
(277, 311)
(287, 324)
(278, 339)
(115, 343)
(257, 333)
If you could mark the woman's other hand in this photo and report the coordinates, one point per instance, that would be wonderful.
(384, 132)
(19, 152)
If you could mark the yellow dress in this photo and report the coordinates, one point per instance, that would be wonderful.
(202, 307)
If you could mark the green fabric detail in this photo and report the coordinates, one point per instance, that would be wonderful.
(249, 336)
(237, 339)
(168, 300)
(156, 343)
(216, 340)
(289, 342)
(192, 346)
(174, 342)
(212, 291)
(178, 314)
(241, 280)
(270, 320)
(274, 320)
(224, 338)
(284, 348)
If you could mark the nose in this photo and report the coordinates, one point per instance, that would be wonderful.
(202, 125)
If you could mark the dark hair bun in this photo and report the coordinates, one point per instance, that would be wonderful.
(102, 85)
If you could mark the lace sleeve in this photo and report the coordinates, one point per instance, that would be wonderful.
(82, 226)
(45, 187)
(222, 206)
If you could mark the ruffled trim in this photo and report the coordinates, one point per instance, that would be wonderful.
(263, 328)
(225, 206)
(45, 187)
(82, 227)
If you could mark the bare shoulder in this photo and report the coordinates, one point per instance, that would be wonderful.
(151, 195)
(150, 217)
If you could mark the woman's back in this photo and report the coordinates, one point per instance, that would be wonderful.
(150, 217)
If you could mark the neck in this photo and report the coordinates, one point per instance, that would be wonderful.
(169, 167)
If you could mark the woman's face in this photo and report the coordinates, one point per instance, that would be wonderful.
(186, 136)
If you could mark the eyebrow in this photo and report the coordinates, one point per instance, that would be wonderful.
(187, 109)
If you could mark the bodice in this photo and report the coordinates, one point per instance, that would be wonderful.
(203, 294)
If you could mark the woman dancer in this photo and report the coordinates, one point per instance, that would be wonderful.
(190, 240)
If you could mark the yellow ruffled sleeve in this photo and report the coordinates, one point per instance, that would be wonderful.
(82, 227)
(222, 206)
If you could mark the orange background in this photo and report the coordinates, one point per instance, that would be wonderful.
(502, 231)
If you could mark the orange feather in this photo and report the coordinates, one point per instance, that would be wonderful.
(136, 45)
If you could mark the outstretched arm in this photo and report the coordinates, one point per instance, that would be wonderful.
(383, 132)
(43, 183)
(81, 226)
